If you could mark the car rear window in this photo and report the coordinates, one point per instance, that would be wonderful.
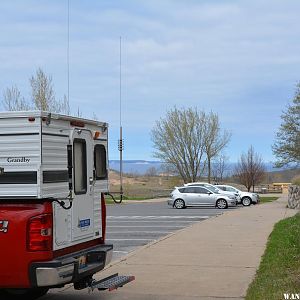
(202, 190)
(191, 189)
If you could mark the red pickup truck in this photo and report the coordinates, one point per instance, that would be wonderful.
(53, 176)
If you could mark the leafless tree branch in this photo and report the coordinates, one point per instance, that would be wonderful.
(250, 169)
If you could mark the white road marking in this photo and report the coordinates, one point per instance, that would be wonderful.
(135, 231)
(157, 217)
(147, 226)
(151, 221)
(132, 227)
(116, 240)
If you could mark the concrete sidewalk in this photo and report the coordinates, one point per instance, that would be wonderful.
(212, 259)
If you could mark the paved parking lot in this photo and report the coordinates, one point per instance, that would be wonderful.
(130, 226)
(133, 225)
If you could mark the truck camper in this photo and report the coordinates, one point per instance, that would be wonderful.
(53, 178)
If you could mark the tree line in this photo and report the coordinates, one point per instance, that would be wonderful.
(189, 141)
(42, 96)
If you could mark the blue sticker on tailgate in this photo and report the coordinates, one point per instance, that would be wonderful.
(84, 223)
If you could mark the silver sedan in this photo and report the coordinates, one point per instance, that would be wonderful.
(182, 197)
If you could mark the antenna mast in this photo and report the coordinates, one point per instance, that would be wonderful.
(121, 142)
(68, 52)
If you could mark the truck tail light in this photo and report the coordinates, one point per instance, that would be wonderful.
(40, 233)
(103, 212)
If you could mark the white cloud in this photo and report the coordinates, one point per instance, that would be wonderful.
(224, 56)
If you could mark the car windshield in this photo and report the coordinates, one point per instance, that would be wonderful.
(213, 189)
(231, 189)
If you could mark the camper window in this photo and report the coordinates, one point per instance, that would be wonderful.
(100, 162)
(80, 182)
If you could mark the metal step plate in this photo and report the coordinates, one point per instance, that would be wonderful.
(112, 282)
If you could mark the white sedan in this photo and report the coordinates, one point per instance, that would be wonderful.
(185, 196)
(247, 198)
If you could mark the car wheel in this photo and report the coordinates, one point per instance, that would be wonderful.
(221, 204)
(17, 294)
(246, 201)
(179, 203)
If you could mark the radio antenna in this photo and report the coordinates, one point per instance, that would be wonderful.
(121, 142)
(68, 53)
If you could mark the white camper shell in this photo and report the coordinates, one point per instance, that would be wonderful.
(51, 156)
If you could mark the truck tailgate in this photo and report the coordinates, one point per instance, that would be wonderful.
(15, 257)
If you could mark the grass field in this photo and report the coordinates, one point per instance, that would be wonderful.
(279, 271)
(145, 187)
(109, 200)
(267, 199)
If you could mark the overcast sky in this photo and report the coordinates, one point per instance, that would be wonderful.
(240, 59)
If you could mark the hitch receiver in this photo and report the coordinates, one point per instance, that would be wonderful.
(111, 283)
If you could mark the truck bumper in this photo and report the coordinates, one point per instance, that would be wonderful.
(70, 268)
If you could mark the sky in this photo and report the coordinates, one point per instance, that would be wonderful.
(239, 59)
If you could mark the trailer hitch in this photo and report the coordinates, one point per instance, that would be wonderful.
(110, 283)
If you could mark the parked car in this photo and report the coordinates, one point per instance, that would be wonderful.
(215, 189)
(184, 196)
(246, 197)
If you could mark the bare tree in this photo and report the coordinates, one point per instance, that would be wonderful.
(79, 113)
(219, 167)
(178, 139)
(168, 170)
(64, 106)
(151, 172)
(215, 140)
(250, 169)
(43, 95)
(95, 117)
(13, 100)
(42, 91)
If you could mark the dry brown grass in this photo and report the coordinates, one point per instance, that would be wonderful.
(137, 186)
(144, 186)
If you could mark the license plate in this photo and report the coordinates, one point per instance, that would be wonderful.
(82, 261)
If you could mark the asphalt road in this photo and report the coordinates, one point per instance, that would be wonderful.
(133, 225)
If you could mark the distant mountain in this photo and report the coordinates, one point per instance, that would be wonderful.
(140, 167)
(285, 175)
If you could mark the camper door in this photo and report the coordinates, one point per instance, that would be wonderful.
(83, 185)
